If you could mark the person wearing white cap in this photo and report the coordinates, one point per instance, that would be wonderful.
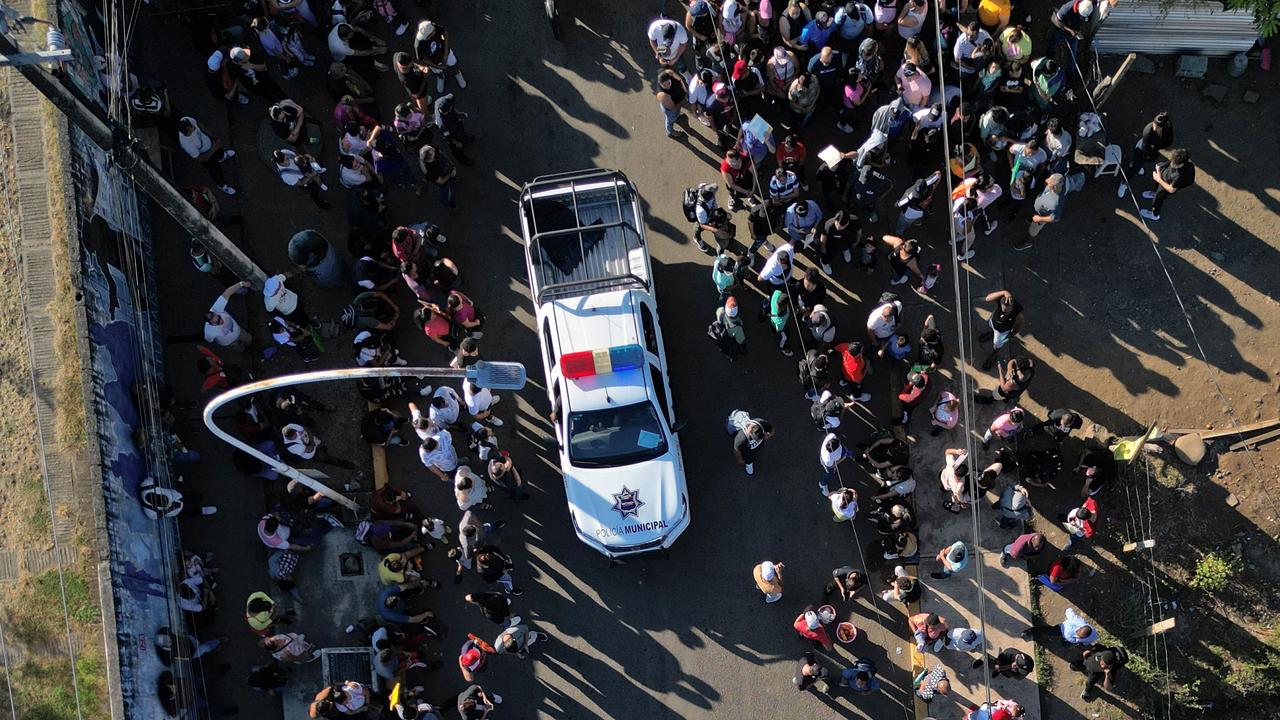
(768, 577)
(252, 75)
(431, 47)
(221, 83)
(1069, 23)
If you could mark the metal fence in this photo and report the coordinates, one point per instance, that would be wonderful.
(1177, 28)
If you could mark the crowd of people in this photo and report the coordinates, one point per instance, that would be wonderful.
(991, 119)
(766, 80)
(453, 426)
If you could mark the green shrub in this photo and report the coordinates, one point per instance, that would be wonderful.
(1215, 570)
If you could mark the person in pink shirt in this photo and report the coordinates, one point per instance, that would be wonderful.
(1006, 426)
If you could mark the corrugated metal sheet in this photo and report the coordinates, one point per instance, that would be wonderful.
(1182, 28)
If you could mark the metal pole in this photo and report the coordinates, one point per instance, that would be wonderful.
(133, 164)
(477, 373)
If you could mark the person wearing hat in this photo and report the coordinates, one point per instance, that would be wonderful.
(668, 39)
(221, 83)
(728, 316)
(768, 577)
(252, 75)
(964, 640)
(953, 559)
(810, 626)
(1009, 663)
(1069, 24)
(1157, 135)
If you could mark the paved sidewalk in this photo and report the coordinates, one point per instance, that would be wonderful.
(1007, 590)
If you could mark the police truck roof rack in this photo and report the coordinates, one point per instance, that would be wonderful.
(583, 234)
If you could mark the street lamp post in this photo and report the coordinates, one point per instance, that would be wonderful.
(493, 375)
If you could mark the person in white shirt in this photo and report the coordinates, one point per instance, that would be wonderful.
(777, 269)
(955, 480)
(669, 40)
(205, 150)
(348, 44)
(844, 504)
(973, 36)
(445, 407)
(882, 323)
(469, 489)
(480, 402)
(222, 329)
(282, 301)
(438, 454)
(302, 171)
(831, 453)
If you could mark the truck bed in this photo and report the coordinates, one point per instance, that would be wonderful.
(582, 233)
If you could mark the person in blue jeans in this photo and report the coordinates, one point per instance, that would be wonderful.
(671, 95)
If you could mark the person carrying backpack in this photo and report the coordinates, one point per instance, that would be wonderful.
(728, 331)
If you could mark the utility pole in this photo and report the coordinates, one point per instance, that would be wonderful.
(131, 162)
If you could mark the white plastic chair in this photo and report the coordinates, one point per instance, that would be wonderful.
(1111, 158)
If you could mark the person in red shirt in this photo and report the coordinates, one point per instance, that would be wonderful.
(1079, 523)
(1065, 568)
(738, 176)
(790, 156)
(810, 627)
(854, 367)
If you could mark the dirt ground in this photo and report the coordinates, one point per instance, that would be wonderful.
(1113, 343)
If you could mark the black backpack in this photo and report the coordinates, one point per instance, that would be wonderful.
(689, 204)
(819, 411)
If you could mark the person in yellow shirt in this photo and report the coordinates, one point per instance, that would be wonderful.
(994, 14)
(400, 568)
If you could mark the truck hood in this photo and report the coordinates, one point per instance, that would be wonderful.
(625, 506)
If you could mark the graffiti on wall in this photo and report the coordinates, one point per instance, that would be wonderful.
(142, 550)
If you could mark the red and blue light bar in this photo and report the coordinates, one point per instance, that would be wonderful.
(601, 362)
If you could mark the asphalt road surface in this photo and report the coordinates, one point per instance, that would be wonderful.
(682, 635)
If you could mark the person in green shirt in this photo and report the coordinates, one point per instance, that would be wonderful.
(779, 315)
(728, 316)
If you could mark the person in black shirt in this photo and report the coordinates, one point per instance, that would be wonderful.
(1156, 136)
(763, 220)
(287, 120)
(838, 235)
(1095, 468)
(414, 79)
(1100, 667)
(809, 671)
(747, 441)
(1009, 663)
(812, 290)
(1172, 176)
(494, 606)
(1006, 320)
(671, 94)
(931, 349)
(1060, 424)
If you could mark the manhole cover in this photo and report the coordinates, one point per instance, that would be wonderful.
(350, 564)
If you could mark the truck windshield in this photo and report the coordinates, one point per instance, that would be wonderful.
(616, 436)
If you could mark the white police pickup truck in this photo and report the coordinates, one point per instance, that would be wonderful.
(606, 371)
